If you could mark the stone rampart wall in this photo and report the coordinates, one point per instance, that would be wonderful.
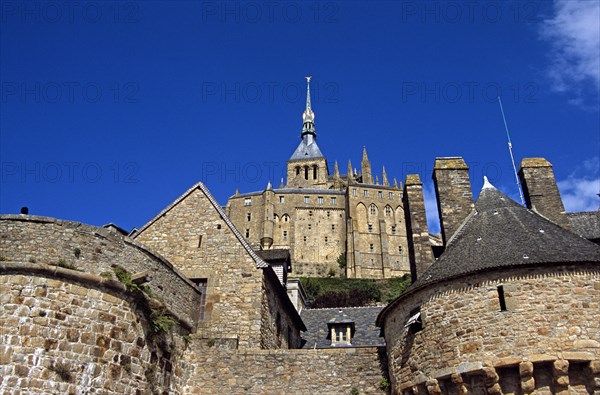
(552, 314)
(92, 250)
(323, 372)
(69, 335)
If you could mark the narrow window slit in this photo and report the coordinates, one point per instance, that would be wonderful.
(501, 298)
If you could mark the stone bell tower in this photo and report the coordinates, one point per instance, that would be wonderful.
(307, 168)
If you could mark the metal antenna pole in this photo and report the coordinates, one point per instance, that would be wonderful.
(512, 158)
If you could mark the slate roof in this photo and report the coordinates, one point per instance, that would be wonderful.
(275, 255)
(499, 233)
(307, 149)
(365, 331)
(586, 224)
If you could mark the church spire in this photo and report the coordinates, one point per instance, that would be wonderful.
(308, 116)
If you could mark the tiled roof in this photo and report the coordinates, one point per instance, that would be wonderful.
(366, 333)
(586, 224)
(499, 233)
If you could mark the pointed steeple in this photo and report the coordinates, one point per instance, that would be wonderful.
(366, 168)
(395, 183)
(376, 180)
(308, 148)
(308, 116)
(386, 183)
(336, 170)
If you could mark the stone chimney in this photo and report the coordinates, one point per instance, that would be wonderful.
(540, 190)
(453, 193)
(419, 248)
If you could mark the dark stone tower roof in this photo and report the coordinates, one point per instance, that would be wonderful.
(499, 233)
(502, 233)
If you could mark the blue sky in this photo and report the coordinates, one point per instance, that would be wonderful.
(111, 110)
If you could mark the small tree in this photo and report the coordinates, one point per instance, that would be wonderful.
(341, 260)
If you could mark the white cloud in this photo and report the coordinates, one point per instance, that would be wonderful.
(580, 190)
(574, 34)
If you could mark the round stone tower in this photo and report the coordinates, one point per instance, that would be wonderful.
(512, 306)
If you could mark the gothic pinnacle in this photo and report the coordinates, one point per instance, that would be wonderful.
(385, 179)
(336, 170)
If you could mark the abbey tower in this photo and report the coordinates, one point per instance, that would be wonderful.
(324, 218)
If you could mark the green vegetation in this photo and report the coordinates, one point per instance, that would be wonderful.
(384, 384)
(106, 275)
(352, 292)
(354, 391)
(154, 309)
(62, 370)
(64, 264)
(341, 260)
(77, 252)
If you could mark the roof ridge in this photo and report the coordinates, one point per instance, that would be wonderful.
(199, 185)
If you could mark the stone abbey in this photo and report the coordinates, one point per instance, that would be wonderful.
(201, 299)
(319, 216)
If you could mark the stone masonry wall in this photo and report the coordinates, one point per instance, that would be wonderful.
(540, 190)
(453, 194)
(193, 235)
(93, 250)
(278, 330)
(552, 314)
(272, 372)
(421, 255)
(59, 335)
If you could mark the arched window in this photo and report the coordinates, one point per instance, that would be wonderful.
(388, 211)
(373, 209)
(314, 172)
(297, 170)
(306, 172)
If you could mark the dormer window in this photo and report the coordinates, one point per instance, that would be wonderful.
(341, 330)
(414, 323)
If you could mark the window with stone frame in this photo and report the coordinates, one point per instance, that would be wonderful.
(307, 199)
(248, 202)
(334, 200)
(281, 199)
(202, 284)
(320, 199)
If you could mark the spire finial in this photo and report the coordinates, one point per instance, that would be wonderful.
(487, 184)
(308, 115)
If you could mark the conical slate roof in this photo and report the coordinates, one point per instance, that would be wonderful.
(501, 233)
(307, 149)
